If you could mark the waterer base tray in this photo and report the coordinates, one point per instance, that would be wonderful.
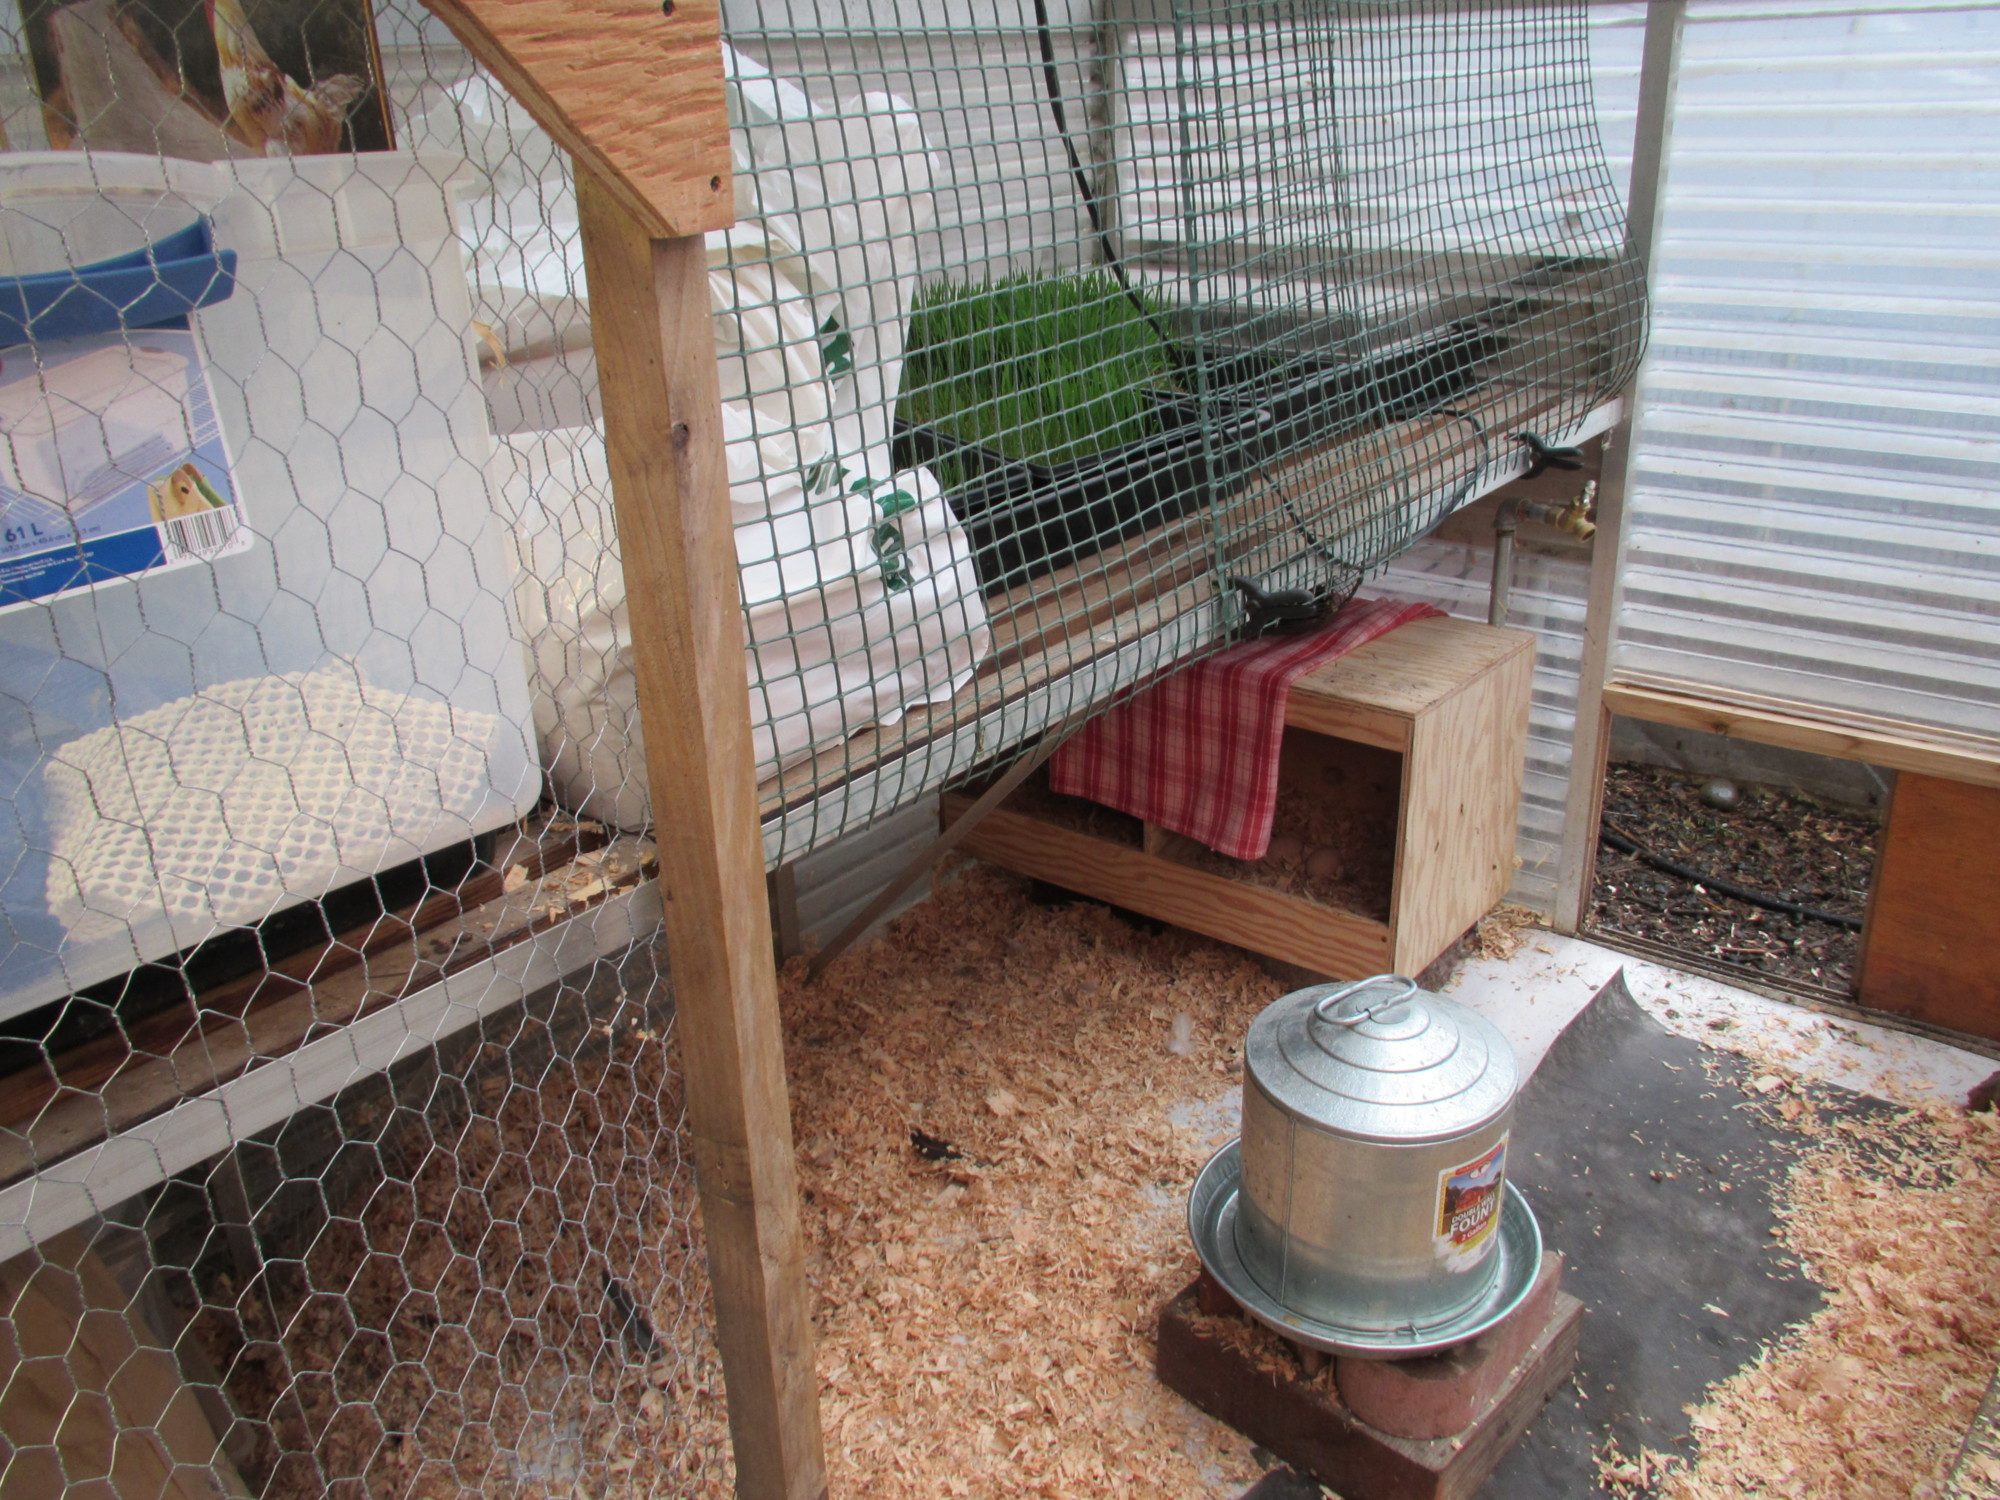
(1212, 1223)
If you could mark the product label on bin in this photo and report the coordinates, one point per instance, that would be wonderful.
(112, 463)
(1468, 1207)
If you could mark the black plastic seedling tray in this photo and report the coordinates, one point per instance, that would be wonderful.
(1024, 519)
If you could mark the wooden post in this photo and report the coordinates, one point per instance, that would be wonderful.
(649, 312)
(1583, 808)
(1934, 907)
(634, 90)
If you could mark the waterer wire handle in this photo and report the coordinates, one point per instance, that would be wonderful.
(1368, 1012)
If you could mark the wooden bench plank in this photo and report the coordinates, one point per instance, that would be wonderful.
(1372, 694)
(1894, 744)
(111, 1084)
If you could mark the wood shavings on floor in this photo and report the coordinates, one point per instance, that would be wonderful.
(499, 1287)
(1898, 1216)
(1502, 931)
(986, 1318)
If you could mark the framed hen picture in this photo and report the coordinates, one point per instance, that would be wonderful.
(208, 78)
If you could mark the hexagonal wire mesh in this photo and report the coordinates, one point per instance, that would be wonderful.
(342, 1140)
(339, 1117)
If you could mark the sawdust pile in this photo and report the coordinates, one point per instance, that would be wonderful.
(1333, 833)
(502, 1292)
(1333, 854)
(986, 1294)
(1899, 1217)
(1501, 932)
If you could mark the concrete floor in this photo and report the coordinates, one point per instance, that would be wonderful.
(1532, 996)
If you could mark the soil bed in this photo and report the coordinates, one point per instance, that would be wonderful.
(1776, 841)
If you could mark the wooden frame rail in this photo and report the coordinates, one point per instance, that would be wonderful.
(187, 1088)
(1583, 802)
(1893, 744)
(64, 1102)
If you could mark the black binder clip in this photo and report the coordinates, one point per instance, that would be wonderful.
(1280, 611)
(1542, 457)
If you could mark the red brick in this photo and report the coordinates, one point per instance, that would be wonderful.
(1303, 1420)
(1442, 1394)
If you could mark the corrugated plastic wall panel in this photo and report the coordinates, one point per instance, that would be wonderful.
(1816, 508)
(1548, 598)
(1815, 511)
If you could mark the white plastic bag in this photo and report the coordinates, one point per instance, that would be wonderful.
(859, 592)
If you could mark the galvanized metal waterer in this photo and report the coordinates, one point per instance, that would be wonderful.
(1372, 1198)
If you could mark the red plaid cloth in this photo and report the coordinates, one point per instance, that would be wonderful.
(1198, 753)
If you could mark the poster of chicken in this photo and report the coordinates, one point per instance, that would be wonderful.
(208, 78)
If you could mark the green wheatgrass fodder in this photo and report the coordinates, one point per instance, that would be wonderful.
(1040, 369)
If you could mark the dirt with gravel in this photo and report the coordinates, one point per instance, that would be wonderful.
(1775, 841)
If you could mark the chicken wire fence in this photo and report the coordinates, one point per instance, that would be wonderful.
(341, 1126)
(342, 1133)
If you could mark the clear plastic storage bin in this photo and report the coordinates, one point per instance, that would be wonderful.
(198, 747)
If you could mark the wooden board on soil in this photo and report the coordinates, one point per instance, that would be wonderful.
(1934, 912)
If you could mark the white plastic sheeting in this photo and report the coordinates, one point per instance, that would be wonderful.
(837, 637)
(1815, 511)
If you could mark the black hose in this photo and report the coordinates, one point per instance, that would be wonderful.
(1052, 83)
(1611, 838)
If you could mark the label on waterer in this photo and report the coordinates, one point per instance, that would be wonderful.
(1468, 1207)
(112, 463)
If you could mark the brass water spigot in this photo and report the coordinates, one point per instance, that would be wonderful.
(1575, 518)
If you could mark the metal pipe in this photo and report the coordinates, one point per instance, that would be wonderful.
(1572, 518)
(1506, 521)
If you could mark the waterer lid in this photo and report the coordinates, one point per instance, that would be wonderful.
(1381, 1060)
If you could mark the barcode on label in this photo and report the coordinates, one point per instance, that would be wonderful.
(202, 535)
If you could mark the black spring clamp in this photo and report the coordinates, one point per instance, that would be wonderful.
(1542, 456)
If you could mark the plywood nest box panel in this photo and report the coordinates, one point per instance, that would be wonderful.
(1399, 790)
